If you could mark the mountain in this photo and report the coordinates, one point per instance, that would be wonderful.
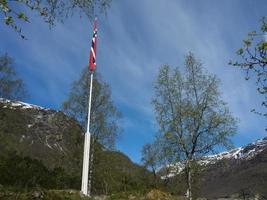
(241, 171)
(242, 153)
(43, 134)
(45, 146)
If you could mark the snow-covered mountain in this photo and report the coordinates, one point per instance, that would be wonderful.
(19, 104)
(241, 153)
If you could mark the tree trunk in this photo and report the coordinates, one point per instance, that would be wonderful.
(189, 180)
(155, 178)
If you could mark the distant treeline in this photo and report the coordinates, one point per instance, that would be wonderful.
(25, 172)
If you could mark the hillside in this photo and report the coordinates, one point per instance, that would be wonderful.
(42, 134)
(46, 139)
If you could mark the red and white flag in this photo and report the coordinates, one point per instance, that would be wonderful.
(92, 61)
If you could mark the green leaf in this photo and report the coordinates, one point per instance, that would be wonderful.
(247, 42)
(21, 15)
(4, 7)
(262, 46)
(253, 33)
(240, 51)
(9, 20)
(264, 27)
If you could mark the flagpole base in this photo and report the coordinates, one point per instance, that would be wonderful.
(86, 159)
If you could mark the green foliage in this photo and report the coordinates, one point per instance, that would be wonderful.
(247, 42)
(104, 115)
(153, 194)
(25, 172)
(11, 87)
(149, 157)
(15, 11)
(253, 60)
(240, 51)
(113, 172)
(159, 155)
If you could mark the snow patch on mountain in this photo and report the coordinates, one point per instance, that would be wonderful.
(172, 170)
(21, 105)
(241, 153)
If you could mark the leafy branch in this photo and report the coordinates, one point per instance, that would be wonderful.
(13, 12)
(253, 56)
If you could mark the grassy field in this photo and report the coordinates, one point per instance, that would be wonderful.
(13, 194)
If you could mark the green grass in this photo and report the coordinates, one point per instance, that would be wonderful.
(17, 194)
(9, 193)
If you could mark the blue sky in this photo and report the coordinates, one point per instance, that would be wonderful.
(134, 40)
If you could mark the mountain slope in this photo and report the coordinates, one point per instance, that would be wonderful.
(56, 140)
(42, 134)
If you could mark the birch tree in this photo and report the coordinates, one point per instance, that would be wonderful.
(191, 113)
(104, 114)
(11, 86)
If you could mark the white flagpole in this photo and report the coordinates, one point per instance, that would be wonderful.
(86, 154)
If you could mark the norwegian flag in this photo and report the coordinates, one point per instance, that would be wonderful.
(92, 61)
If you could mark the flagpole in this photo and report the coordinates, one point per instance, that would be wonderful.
(86, 155)
(85, 189)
